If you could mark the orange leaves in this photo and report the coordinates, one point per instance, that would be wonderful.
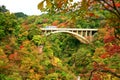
(40, 49)
(105, 55)
(96, 77)
(65, 1)
(62, 25)
(3, 56)
(34, 75)
(45, 20)
(31, 70)
(60, 3)
(55, 23)
(14, 56)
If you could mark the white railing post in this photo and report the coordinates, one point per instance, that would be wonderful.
(90, 34)
(86, 33)
(78, 78)
(81, 33)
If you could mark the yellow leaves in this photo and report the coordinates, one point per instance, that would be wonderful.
(56, 61)
(25, 33)
(3, 58)
(71, 0)
(48, 4)
(31, 70)
(40, 5)
(1, 51)
(115, 78)
(34, 75)
(73, 20)
(12, 40)
(26, 42)
(99, 51)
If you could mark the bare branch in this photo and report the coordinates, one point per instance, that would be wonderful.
(115, 7)
(110, 10)
(108, 4)
(91, 73)
(113, 73)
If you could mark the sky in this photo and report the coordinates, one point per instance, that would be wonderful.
(28, 7)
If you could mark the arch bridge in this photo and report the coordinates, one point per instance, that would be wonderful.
(83, 35)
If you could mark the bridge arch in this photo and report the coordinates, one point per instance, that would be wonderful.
(77, 36)
(83, 35)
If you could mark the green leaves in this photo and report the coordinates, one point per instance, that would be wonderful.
(38, 40)
(8, 24)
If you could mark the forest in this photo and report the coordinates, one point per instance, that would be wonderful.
(28, 54)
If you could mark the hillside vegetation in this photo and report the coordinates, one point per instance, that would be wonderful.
(27, 54)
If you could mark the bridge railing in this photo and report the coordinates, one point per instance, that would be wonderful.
(69, 29)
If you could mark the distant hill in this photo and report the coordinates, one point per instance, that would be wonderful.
(20, 15)
(3, 8)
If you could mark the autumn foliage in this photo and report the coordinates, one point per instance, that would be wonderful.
(27, 54)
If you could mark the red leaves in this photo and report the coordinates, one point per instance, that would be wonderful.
(108, 38)
(21, 46)
(111, 46)
(112, 49)
(95, 65)
(117, 4)
(8, 47)
(91, 14)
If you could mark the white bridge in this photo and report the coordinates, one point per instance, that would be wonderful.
(83, 35)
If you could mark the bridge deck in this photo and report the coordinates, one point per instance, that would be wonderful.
(68, 29)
